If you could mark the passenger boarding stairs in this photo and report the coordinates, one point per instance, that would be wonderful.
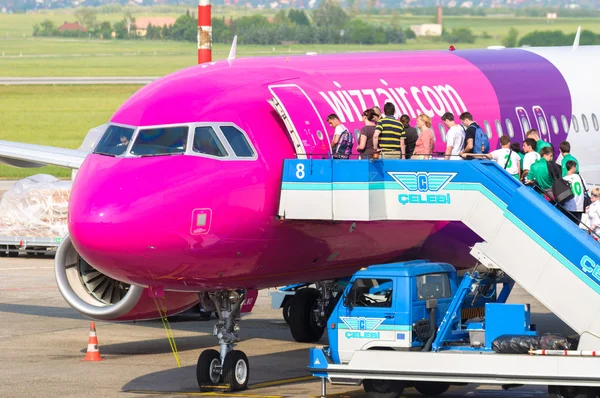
(524, 235)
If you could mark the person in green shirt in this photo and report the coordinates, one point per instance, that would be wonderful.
(565, 150)
(516, 147)
(539, 143)
(539, 170)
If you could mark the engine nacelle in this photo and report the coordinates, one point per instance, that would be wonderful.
(98, 296)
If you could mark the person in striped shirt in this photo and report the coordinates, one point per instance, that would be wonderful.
(389, 137)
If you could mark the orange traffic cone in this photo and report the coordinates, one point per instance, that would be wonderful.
(93, 353)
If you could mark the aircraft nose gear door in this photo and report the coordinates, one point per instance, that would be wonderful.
(305, 126)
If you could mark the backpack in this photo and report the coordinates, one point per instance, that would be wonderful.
(561, 189)
(344, 146)
(481, 142)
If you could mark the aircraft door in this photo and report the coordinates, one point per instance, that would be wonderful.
(305, 127)
(524, 121)
(542, 122)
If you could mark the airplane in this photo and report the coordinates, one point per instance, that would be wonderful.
(176, 197)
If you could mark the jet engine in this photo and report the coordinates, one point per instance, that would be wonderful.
(101, 297)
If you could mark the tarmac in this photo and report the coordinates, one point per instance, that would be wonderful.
(43, 342)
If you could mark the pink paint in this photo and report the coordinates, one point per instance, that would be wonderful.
(134, 218)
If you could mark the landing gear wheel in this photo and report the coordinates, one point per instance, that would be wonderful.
(572, 392)
(383, 388)
(236, 370)
(431, 389)
(208, 369)
(303, 324)
(286, 311)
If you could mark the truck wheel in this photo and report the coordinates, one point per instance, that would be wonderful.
(431, 389)
(572, 392)
(383, 388)
(303, 324)
(286, 310)
(3, 251)
(14, 253)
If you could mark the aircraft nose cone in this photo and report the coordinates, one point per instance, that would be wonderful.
(123, 215)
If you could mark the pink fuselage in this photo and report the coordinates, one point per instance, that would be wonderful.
(131, 218)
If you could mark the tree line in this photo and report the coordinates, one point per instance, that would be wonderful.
(549, 38)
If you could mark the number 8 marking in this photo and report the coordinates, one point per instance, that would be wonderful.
(300, 171)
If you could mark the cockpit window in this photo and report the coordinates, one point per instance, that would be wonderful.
(114, 141)
(207, 142)
(238, 142)
(160, 141)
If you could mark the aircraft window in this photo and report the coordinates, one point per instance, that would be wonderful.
(114, 141)
(543, 125)
(160, 141)
(595, 122)
(367, 292)
(499, 128)
(554, 124)
(433, 286)
(238, 141)
(575, 124)
(565, 123)
(442, 132)
(207, 142)
(509, 128)
(584, 121)
(525, 124)
(488, 129)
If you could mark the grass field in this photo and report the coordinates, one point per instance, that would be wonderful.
(55, 115)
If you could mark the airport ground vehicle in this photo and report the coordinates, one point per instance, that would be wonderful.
(399, 325)
(10, 246)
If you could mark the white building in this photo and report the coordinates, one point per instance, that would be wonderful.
(432, 29)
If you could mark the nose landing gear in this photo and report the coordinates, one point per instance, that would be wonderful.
(227, 366)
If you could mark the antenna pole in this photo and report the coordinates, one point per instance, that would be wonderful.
(204, 32)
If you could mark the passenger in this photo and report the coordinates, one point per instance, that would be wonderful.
(539, 143)
(565, 150)
(471, 127)
(365, 142)
(411, 135)
(578, 187)
(593, 211)
(342, 139)
(539, 171)
(531, 156)
(506, 157)
(516, 147)
(389, 135)
(377, 113)
(424, 144)
(455, 138)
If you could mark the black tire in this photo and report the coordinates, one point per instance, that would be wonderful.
(205, 373)
(572, 392)
(302, 322)
(236, 371)
(14, 253)
(432, 388)
(383, 388)
(3, 251)
(205, 315)
(286, 310)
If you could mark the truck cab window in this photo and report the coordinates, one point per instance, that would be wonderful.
(371, 293)
(433, 286)
(160, 141)
(206, 142)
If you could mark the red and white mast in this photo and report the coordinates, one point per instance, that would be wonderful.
(204, 32)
